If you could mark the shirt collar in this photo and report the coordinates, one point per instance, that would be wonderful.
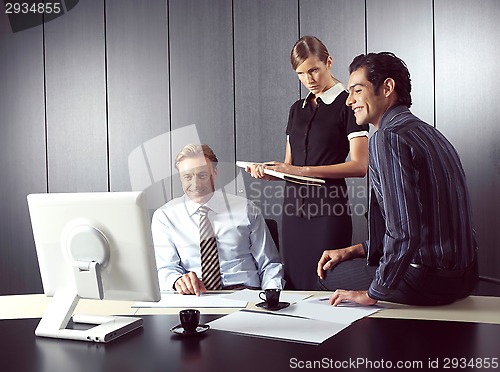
(391, 113)
(215, 203)
(328, 96)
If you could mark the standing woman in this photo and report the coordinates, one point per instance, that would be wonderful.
(321, 132)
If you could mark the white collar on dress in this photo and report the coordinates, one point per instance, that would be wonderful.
(328, 96)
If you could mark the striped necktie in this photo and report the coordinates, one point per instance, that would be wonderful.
(210, 269)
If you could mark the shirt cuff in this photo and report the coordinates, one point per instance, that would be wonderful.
(170, 282)
(352, 135)
(273, 284)
(365, 247)
(378, 292)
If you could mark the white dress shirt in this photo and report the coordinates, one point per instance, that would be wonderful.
(247, 253)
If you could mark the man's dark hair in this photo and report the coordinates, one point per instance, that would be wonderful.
(383, 65)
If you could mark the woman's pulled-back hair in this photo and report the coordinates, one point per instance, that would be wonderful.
(306, 47)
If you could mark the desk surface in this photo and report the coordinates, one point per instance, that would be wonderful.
(477, 309)
(382, 338)
(153, 348)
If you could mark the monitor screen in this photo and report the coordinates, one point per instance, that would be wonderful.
(94, 245)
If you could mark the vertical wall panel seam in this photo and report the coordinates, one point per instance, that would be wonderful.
(298, 37)
(366, 27)
(367, 182)
(434, 62)
(234, 92)
(298, 19)
(46, 127)
(106, 92)
(169, 82)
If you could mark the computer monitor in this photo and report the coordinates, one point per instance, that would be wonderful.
(94, 245)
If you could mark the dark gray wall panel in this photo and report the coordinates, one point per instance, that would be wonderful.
(467, 54)
(341, 27)
(138, 92)
(235, 85)
(76, 99)
(405, 28)
(265, 88)
(22, 154)
(201, 76)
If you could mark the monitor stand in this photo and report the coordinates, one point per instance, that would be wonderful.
(55, 320)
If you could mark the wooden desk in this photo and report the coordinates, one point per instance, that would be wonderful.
(370, 342)
(477, 309)
(401, 334)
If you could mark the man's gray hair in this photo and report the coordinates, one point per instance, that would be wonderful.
(191, 150)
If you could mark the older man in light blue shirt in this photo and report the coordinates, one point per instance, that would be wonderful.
(247, 254)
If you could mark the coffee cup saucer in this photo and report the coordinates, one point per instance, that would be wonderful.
(179, 330)
(281, 305)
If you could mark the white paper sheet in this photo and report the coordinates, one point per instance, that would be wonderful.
(253, 296)
(281, 327)
(315, 309)
(202, 301)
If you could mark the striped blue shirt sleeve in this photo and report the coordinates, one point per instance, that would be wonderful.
(394, 176)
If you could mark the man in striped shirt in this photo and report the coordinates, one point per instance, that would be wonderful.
(421, 248)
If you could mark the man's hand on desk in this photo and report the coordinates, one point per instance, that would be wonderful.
(359, 297)
(190, 284)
